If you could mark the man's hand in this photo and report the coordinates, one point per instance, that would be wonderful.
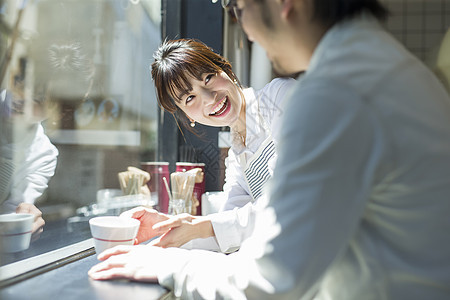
(129, 262)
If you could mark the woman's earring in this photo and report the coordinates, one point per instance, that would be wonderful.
(192, 123)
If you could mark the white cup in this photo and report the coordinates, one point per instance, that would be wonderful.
(110, 231)
(15, 231)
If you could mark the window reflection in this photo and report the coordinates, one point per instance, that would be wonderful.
(77, 108)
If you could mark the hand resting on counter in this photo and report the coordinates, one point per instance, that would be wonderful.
(128, 262)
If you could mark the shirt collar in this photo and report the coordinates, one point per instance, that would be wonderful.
(337, 33)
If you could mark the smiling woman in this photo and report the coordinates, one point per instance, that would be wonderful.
(196, 84)
(186, 69)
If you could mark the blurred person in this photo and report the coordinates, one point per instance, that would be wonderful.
(359, 201)
(196, 84)
(27, 159)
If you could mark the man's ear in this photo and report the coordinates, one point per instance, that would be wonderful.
(286, 7)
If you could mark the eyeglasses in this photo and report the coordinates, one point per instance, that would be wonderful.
(232, 8)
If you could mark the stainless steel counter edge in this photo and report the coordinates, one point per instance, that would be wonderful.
(21, 267)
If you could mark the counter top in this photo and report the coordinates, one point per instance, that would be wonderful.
(72, 282)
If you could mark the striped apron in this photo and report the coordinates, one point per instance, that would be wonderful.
(256, 169)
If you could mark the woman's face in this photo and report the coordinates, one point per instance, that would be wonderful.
(214, 101)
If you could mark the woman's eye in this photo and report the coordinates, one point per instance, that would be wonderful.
(208, 78)
(189, 99)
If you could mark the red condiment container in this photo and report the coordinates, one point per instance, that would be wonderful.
(199, 188)
(158, 170)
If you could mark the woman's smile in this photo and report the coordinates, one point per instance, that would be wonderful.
(215, 100)
(221, 108)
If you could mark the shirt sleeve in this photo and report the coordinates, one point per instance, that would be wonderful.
(231, 228)
(231, 225)
(317, 198)
(32, 177)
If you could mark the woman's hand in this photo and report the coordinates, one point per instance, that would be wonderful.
(180, 229)
(148, 217)
(38, 223)
(129, 262)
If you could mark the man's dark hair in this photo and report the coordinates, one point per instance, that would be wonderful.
(330, 12)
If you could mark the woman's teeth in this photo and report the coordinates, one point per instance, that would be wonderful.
(219, 108)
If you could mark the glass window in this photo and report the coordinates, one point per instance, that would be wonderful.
(77, 108)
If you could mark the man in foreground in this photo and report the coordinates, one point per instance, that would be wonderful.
(359, 202)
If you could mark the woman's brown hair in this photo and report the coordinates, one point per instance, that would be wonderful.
(178, 60)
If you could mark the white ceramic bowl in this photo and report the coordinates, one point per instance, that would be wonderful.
(110, 231)
(15, 231)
